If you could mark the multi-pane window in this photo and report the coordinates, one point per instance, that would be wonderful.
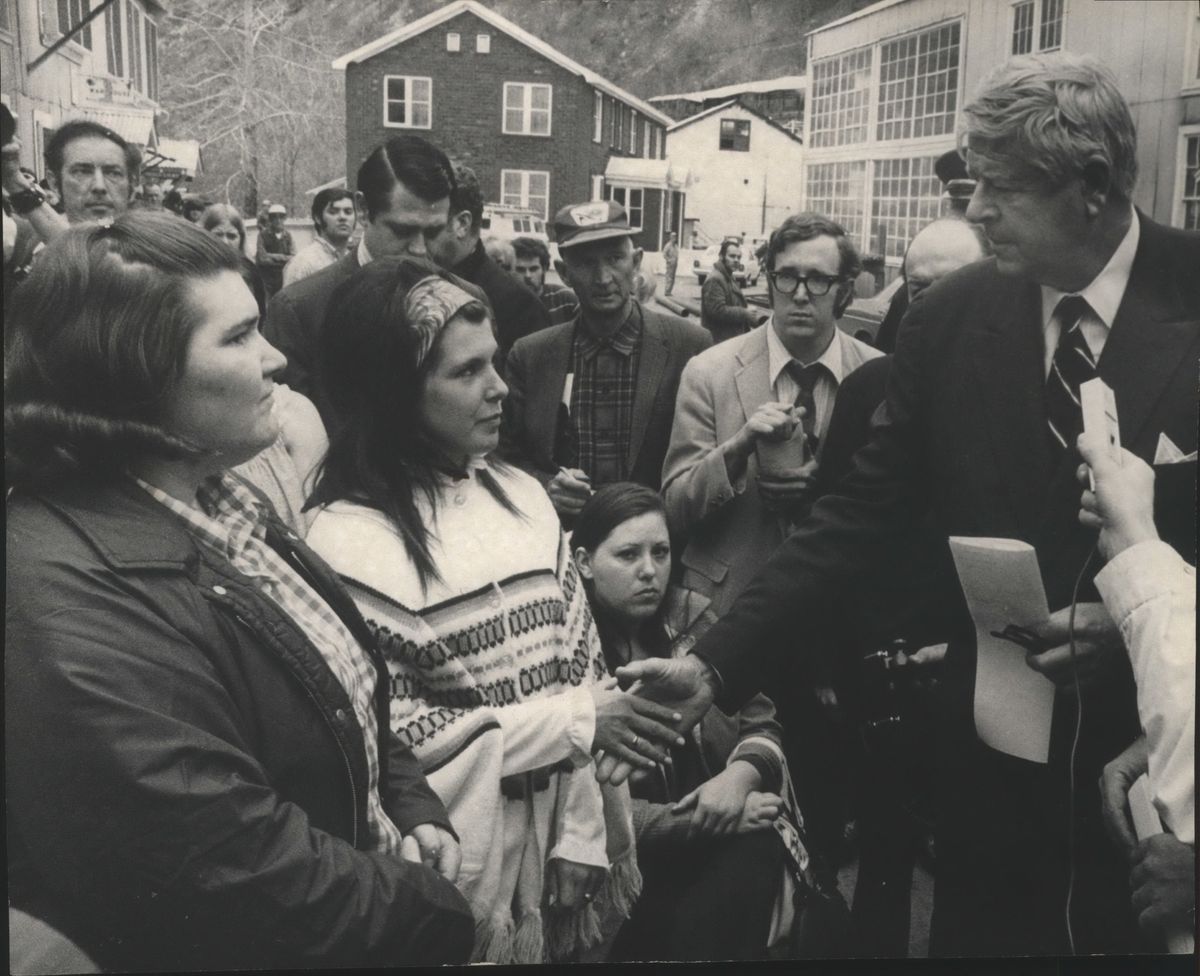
(1050, 31)
(70, 13)
(526, 188)
(526, 109)
(735, 135)
(407, 102)
(597, 116)
(1022, 35)
(151, 59)
(114, 40)
(918, 84)
(632, 198)
(906, 195)
(1190, 203)
(838, 190)
(1039, 21)
(841, 98)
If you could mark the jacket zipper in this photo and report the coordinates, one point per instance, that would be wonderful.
(337, 738)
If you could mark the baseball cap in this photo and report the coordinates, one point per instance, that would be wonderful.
(582, 223)
(277, 208)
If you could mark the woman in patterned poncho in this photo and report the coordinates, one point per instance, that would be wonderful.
(457, 562)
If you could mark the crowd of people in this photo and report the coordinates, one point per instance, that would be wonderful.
(384, 603)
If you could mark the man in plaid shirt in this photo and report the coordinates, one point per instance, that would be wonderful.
(591, 400)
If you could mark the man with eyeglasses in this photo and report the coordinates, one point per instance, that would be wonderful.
(748, 401)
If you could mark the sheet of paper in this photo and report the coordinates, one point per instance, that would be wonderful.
(1146, 823)
(1002, 584)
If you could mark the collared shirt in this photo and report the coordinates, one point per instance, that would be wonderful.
(364, 255)
(310, 259)
(826, 387)
(559, 302)
(232, 523)
(1104, 296)
(601, 414)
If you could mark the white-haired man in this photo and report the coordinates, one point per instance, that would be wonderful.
(977, 433)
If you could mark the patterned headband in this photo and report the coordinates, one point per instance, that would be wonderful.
(430, 305)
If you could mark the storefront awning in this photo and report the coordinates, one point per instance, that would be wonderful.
(179, 158)
(656, 174)
(132, 125)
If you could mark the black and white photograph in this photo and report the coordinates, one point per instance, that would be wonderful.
(598, 483)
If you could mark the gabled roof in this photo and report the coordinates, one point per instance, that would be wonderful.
(858, 15)
(784, 83)
(451, 10)
(683, 123)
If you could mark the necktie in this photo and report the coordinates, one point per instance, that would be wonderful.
(1072, 365)
(806, 381)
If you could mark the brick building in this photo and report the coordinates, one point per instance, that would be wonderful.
(539, 129)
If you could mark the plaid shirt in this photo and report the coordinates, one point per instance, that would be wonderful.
(560, 302)
(602, 398)
(232, 523)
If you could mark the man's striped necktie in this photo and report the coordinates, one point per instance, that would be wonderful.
(1072, 365)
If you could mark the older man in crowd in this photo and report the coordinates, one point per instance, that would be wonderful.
(333, 218)
(977, 434)
(723, 308)
(458, 248)
(403, 192)
(532, 261)
(590, 401)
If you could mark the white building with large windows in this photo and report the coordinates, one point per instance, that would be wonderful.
(887, 85)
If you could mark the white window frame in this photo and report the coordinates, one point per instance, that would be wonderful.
(597, 187)
(453, 41)
(1185, 132)
(1191, 60)
(918, 87)
(633, 132)
(626, 191)
(523, 200)
(114, 23)
(527, 109)
(597, 115)
(1035, 41)
(483, 43)
(408, 101)
(647, 128)
(614, 125)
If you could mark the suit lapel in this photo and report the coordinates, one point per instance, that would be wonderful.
(552, 365)
(1149, 339)
(752, 379)
(651, 369)
(1007, 362)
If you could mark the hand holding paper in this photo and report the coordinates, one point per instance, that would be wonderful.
(1096, 641)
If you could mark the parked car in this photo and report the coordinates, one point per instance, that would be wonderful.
(746, 274)
(507, 222)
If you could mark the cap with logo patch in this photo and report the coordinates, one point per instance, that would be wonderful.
(582, 223)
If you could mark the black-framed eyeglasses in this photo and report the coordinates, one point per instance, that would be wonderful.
(815, 284)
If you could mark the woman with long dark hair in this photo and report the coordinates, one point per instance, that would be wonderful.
(707, 823)
(199, 771)
(458, 564)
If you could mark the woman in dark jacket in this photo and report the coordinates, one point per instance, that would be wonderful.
(198, 776)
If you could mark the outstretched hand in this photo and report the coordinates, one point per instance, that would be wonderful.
(684, 684)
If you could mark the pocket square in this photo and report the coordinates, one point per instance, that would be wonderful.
(1168, 453)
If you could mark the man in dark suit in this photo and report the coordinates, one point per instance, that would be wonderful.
(723, 309)
(403, 188)
(458, 248)
(978, 434)
(591, 401)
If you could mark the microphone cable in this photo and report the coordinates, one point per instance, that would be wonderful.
(1074, 744)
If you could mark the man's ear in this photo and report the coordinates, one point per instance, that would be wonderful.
(1096, 183)
(360, 206)
(845, 296)
(462, 224)
(637, 258)
(583, 562)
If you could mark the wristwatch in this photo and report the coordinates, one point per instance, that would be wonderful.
(26, 200)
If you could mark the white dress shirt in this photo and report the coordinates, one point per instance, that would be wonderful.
(1103, 295)
(825, 389)
(1150, 591)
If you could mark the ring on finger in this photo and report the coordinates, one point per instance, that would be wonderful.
(635, 740)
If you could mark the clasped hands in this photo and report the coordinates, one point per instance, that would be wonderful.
(774, 422)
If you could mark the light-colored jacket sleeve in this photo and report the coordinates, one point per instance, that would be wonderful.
(1150, 591)
(695, 479)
